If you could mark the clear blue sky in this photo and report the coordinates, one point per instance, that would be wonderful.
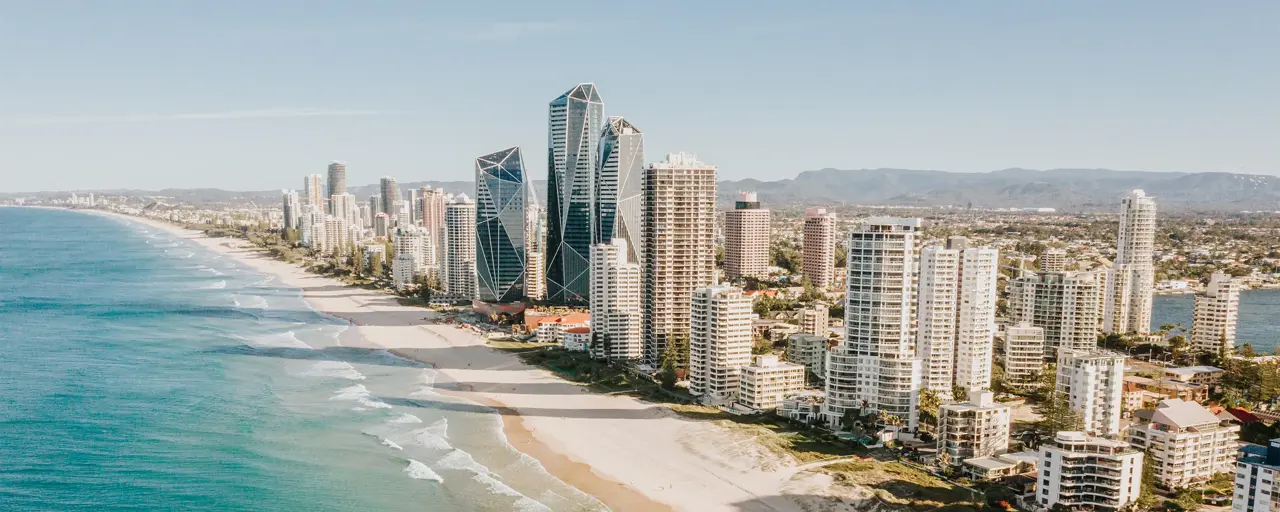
(255, 94)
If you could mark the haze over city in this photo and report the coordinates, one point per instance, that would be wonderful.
(248, 96)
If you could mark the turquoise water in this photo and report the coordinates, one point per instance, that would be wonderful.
(1259, 322)
(140, 371)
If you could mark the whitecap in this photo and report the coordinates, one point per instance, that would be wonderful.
(287, 339)
(334, 369)
(497, 487)
(435, 437)
(404, 419)
(253, 301)
(391, 444)
(359, 394)
(420, 471)
(216, 286)
(426, 386)
(462, 461)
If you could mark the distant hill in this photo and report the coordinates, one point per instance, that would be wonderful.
(1064, 189)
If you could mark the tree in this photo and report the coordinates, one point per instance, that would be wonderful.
(849, 419)
(811, 293)
(375, 268)
(929, 402)
(1247, 350)
(761, 346)
(1056, 415)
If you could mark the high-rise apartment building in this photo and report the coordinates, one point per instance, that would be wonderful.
(719, 341)
(937, 317)
(1083, 472)
(432, 215)
(502, 194)
(746, 238)
(1131, 279)
(819, 247)
(1053, 260)
(460, 242)
(573, 144)
(344, 206)
(337, 179)
(414, 202)
(335, 234)
(620, 186)
(957, 308)
(1023, 356)
(976, 327)
(1188, 443)
(1064, 304)
(292, 209)
(535, 234)
(1213, 328)
(1092, 383)
(616, 325)
(679, 245)
(973, 429)
(313, 191)
(876, 367)
(389, 191)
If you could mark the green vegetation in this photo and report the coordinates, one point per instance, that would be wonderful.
(900, 485)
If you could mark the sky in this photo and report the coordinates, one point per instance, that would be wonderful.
(253, 95)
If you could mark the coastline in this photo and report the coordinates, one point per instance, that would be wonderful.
(628, 454)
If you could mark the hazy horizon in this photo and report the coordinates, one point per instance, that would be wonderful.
(244, 96)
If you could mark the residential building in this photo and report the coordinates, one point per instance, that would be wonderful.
(1131, 279)
(433, 205)
(939, 289)
(956, 314)
(574, 126)
(719, 342)
(343, 206)
(766, 381)
(620, 186)
(977, 428)
(976, 312)
(679, 246)
(550, 329)
(1023, 356)
(460, 240)
(416, 242)
(366, 216)
(313, 191)
(335, 235)
(1213, 328)
(804, 406)
(576, 339)
(615, 302)
(292, 209)
(1001, 466)
(404, 268)
(809, 350)
(389, 191)
(382, 225)
(1210, 376)
(819, 247)
(1256, 475)
(814, 319)
(876, 368)
(535, 278)
(1053, 260)
(746, 238)
(501, 195)
(337, 178)
(415, 206)
(1083, 472)
(1092, 383)
(1187, 443)
(1064, 304)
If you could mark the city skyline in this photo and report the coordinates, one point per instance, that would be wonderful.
(235, 119)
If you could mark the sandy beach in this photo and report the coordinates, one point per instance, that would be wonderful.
(629, 454)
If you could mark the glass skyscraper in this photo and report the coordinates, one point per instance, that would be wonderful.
(620, 187)
(502, 193)
(575, 123)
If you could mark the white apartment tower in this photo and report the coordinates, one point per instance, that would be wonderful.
(719, 341)
(335, 235)
(615, 303)
(460, 240)
(1023, 355)
(1188, 443)
(1092, 383)
(1084, 472)
(292, 209)
(937, 317)
(432, 215)
(766, 381)
(976, 329)
(957, 315)
(819, 247)
(1214, 325)
(876, 368)
(679, 245)
(343, 206)
(746, 238)
(1131, 279)
(973, 429)
(1064, 304)
(313, 191)
(535, 275)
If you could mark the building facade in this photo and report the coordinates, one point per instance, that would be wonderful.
(815, 318)
(719, 342)
(746, 238)
(1256, 475)
(972, 429)
(575, 122)
(1131, 279)
(937, 316)
(1053, 260)
(460, 242)
(809, 350)
(615, 303)
(1092, 383)
(1187, 443)
(819, 247)
(432, 215)
(1064, 304)
(337, 179)
(313, 191)
(766, 381)
(679, 245)
(1084, 472)
(389, 192)
(1023, 356)
(619, 200)
(1213, 328)
(502, 194)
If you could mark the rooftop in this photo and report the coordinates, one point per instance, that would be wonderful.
(1182, 414)
(1193, 370)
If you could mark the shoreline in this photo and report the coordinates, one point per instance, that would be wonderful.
(626, 453)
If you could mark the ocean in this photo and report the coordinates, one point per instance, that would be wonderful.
(1258, 324)
(140, 371)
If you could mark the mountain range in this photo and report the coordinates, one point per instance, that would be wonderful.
(1063, 189)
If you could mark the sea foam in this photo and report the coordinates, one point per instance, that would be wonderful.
(216, 286)
(359, 394)
(334, 369)
(420, 471)
(435, 436)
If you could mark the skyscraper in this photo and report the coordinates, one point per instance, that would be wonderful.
(390, 193)
(1092, 383)
(876, 368)
(620, 186)
(1213, 329)
(819, 247)
(292, 209)
(375, 204)
(501, 198)
(433, 204)
(460, 254)
(344, 207)
(679, 245)
(719, 342)
(313, 191)
(337, 178)
(746, 238)
(415, 205)
(535, 277)
(936, 334)
(1064, 304)
(976, 306)
(616, 328)
(575, 120)
(1131, 279)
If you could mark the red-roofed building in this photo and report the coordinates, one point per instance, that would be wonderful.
(1243, 416)
(577, 338)
(550, 329)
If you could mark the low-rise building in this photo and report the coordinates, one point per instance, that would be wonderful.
(766, 381)
(973, 429)
(1083, 472)
(809, 350)
(1205, 375)
(1023, 356)
(814, 319)
(1256, 473)
(1000, 466)
(805, 406)
(550, 329)
(1188, 443)
(577, 339)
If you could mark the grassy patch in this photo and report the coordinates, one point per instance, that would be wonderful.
(899, 484)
